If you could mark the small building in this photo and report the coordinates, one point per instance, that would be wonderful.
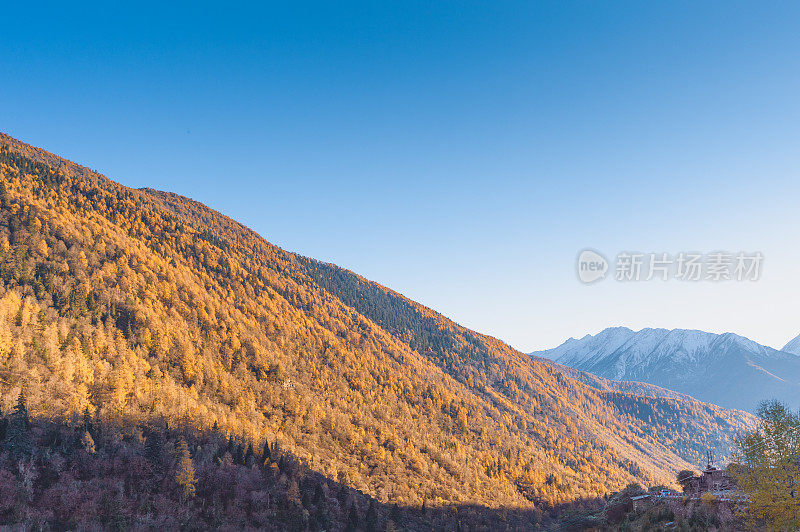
(711, 479)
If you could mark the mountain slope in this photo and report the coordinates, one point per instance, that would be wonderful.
(793, 346)
(603, 384)
(724, 369)
(139, 305)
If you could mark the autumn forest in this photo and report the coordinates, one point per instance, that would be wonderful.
(149, 337)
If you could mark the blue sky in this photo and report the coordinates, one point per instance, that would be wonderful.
(461, 153)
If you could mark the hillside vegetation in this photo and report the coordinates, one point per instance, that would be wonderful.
(601, 383)
(137, 306)
(93, 476)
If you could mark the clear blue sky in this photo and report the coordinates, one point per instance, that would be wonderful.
(461, 153)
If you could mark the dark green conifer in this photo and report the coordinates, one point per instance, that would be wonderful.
(352, 518)
(371, 519)
(18, 437)
(87, 420)
(250, 456)
(344, 494)
(266, 454)
(3, 425)
(152, 448)
(282, 464)
(395, 514)
(238, 458)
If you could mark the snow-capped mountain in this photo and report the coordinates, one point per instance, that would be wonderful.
(793, 346)
(725, 369)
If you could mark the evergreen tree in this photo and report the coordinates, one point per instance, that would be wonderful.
(3, 425)
(249, 456)
(344, 494)
(18, 438)
(395, 513)
(276, 450)
(265, 454)
(352, 518)
(238, 458)
(372, 517)
(87, 421)
(152, 448)
(323, 514)
(21, 410)
(95, 426)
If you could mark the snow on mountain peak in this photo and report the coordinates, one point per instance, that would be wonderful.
(724, 368)
(793, 346)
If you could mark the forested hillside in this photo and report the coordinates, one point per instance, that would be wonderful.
(138, 307)
(601, 383)
(95, 476)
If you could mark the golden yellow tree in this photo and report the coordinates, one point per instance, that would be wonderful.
(185, 475)
(768, 468)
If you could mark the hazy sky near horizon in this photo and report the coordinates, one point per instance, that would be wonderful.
(461, 153)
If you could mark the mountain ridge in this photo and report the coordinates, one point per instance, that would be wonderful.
(693, 362)
(138, 305)
(792, 346)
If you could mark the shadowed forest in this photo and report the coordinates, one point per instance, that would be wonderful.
(96, 475)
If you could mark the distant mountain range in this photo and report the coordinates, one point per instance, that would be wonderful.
(725, 369)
